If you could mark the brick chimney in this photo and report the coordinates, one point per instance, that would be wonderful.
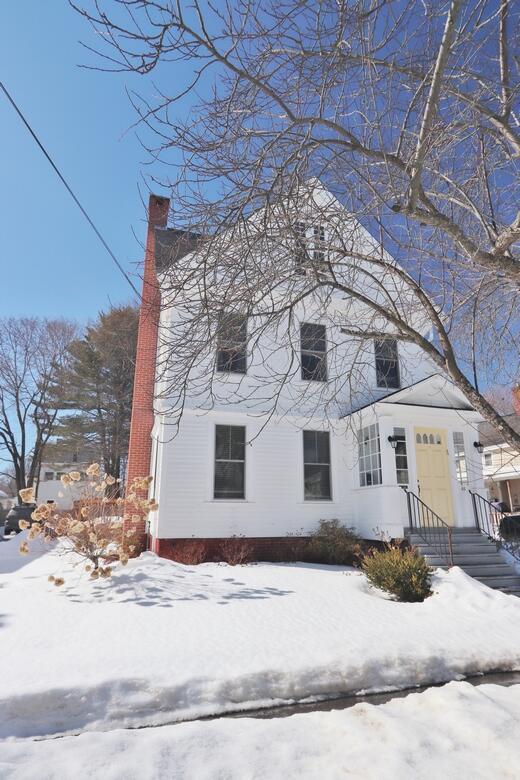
(516, 398)
(140, 445)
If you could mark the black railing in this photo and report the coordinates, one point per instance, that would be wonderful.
(430, 527)
(502, 528)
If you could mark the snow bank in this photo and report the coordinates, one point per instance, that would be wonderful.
(454, 732)
(163, 641)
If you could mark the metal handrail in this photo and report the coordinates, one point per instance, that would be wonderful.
(493, 523)
(430, 527)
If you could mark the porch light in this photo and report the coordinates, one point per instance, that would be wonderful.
(393, 441)
(479, 447)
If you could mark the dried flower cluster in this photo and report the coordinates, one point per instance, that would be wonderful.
(101, 530)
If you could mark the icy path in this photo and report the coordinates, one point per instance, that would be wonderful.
(452, 732)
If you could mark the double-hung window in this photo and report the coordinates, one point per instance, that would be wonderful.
(461, 467)
(319, 254)
(230, 461)
(369, 452)
(316, 465)
(401, 457)
(300, 255)
(232, 344)
(387, 363)
(313, 352)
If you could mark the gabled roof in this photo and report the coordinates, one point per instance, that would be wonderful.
(435, 391)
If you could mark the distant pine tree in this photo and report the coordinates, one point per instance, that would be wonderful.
(96, 389)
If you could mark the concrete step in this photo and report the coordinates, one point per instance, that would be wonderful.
(471, 547)
(474, 552)
(464, 560)
(487, 569)
(455, 540)
(501, 581)
(461, 552)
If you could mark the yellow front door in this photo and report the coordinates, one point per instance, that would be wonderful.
(433, 471)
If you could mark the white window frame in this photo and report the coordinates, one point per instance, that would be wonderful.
(228, 460)
(369, 450)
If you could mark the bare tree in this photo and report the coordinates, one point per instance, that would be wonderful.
(32, 351)
(407, 112)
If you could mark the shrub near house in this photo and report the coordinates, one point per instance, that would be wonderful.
(402, 573)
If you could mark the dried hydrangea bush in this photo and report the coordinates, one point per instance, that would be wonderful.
(101, 530)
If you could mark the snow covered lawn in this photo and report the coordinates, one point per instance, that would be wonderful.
(452, 732)
(163, 641)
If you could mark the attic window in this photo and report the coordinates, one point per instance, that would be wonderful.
(319, 254)
(300, 255)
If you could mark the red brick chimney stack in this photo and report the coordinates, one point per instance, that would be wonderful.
(140, 446)
(516, 398)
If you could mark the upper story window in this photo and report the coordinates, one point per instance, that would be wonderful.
(300, 229)
(461, 467)
(319, 253)
(316, 465)
(488, 459)
(369, 456)
(232, 344)
(313, 352)
(48, 475)
(387, 363)
(230, 461)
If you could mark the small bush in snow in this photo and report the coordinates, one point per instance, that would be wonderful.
(192, 552)
(101, 530)
(236, 551)
(402, 573)
(334, 543)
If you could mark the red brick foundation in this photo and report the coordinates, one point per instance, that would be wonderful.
(237, 549)
(272, 548)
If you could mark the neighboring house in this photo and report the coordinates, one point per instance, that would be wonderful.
(229, 473)
(64, 459)
(6, 503)
(502, 462)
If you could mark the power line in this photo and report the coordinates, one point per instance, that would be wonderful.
(69, 189)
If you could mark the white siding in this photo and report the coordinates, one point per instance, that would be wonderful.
(274, 503)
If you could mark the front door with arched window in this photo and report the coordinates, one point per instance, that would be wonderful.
(433, 471)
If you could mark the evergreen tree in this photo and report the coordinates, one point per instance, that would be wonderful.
(96, 388)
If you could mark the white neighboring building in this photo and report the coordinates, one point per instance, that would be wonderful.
(6, 502)
(502, 463)
(63, 460)
(224, 474)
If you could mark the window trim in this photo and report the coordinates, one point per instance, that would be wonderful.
(319, 244)
(361, 455)
(459, 456)
(401, 437)
(314, 499)
(240, 348)
(314, 353)
(385, 385)
(244, 497)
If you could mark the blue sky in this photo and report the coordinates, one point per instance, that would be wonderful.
(51, 263)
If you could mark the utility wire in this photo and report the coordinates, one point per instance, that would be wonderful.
(69, 190)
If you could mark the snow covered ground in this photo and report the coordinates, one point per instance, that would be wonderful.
(454, 732)
(163, 641)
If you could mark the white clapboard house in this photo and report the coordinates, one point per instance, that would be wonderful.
(330, 450)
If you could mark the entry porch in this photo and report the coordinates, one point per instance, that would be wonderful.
(419, 440)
